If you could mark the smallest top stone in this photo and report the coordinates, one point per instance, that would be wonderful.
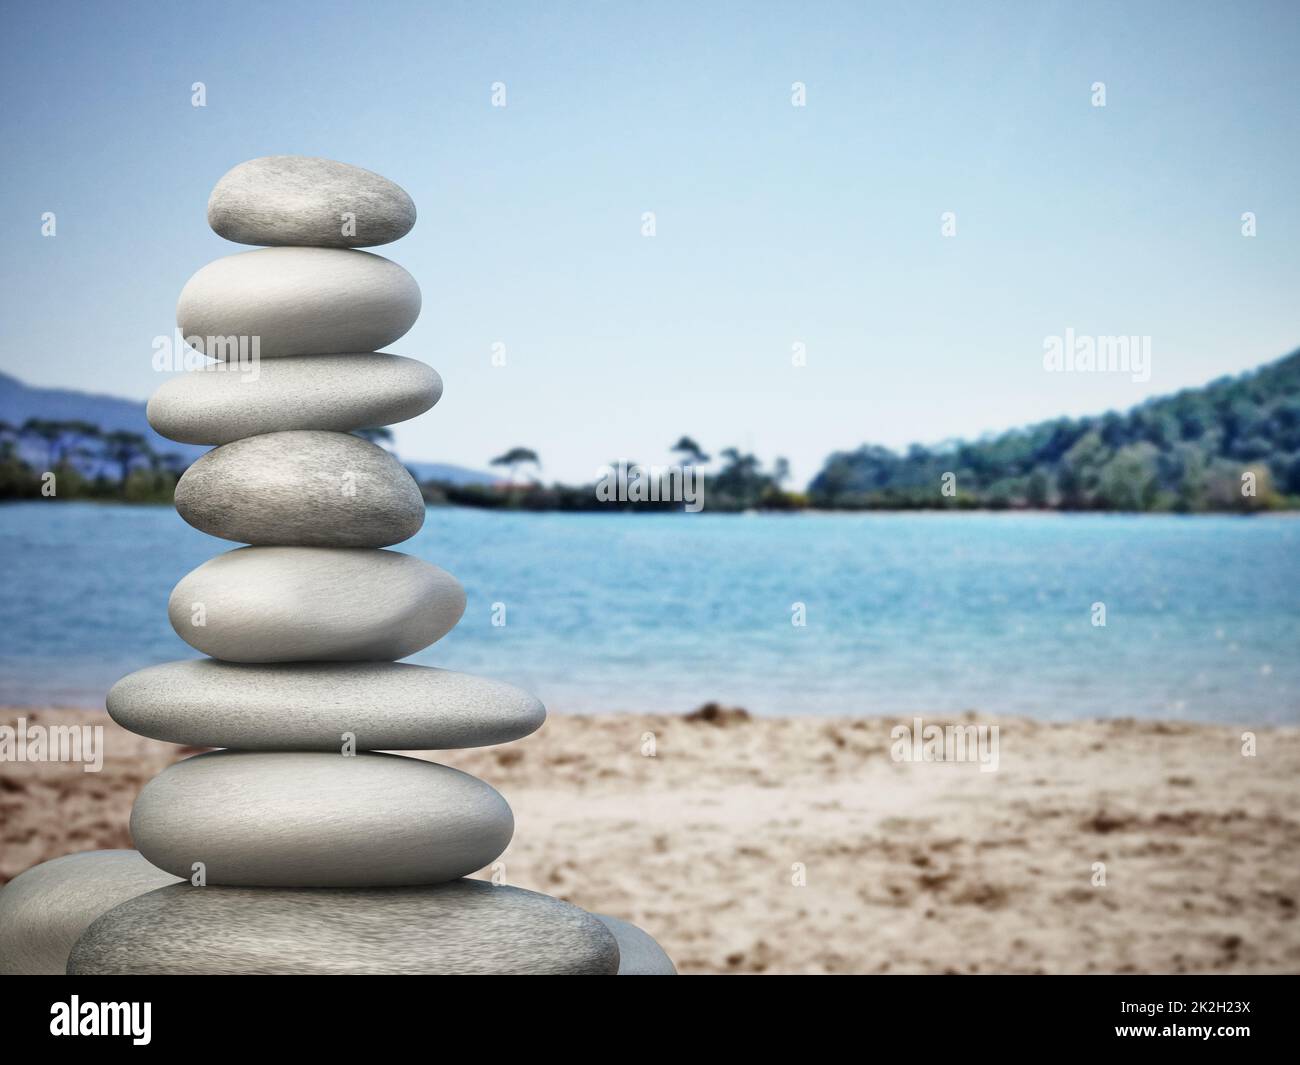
(296, 200)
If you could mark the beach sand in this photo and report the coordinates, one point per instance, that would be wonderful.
(930, 867)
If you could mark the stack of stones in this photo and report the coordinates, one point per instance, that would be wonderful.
(298, 847)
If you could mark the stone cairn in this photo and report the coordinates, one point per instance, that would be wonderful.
(297, 847)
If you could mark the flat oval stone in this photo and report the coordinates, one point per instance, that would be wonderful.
(300, 200)
(466, 927)
(45, 909)
(229, 401)
(638, 953)
(386, 706)
(304, 604)
(303, 487)
(297, 301)
(308, 819)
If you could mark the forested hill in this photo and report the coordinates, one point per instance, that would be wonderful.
(1185, 452)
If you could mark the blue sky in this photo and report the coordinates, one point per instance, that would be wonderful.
(775, 225)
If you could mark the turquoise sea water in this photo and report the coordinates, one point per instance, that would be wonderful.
(924, 613)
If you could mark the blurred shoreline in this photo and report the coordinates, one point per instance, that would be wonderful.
(768, 845)
(843, 512)
(1229, 446)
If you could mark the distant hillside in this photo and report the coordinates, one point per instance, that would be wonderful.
(1185, 452)
(20, 402)
(1233, 445)
(445, 474)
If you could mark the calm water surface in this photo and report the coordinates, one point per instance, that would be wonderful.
(933, 613)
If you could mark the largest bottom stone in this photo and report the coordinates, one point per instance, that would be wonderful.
(462, 927)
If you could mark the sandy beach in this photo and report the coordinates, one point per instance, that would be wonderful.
(784, 845)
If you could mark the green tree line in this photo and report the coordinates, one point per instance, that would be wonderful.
(738, 482)
(126, 465)
(1233, 445)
